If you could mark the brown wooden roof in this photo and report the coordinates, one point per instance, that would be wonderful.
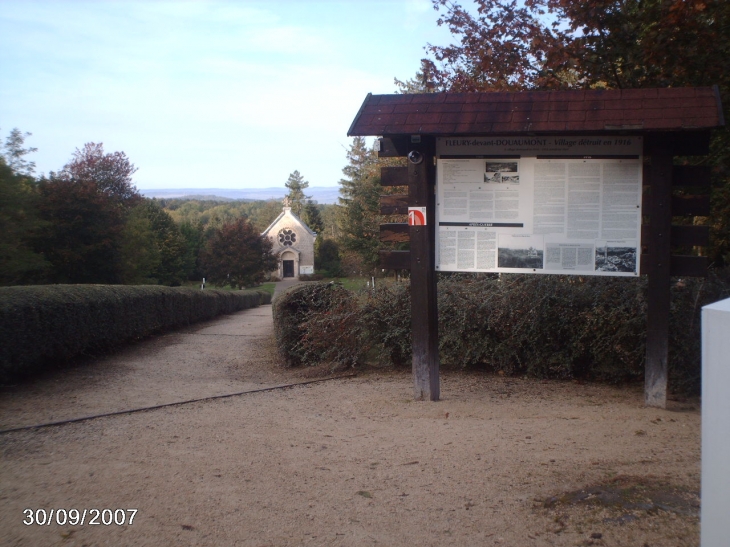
(634, 110)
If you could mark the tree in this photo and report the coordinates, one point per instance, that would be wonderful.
(423, 81)
(192, 233)
(359, 203)
(358, 212)
(140, 255)
(312, 218)
(85, 207)
(19, 224)
(327, 259)
(82, 235)
(169, 244)
(598, 43)
(110, 173)
(237, 255)
(14, 153)
(296, 185)
(505, 45)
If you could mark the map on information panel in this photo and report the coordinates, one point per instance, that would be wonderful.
(565, 205)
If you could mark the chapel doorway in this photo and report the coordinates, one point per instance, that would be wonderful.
(288, 268)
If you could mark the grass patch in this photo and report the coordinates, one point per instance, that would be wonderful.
(357, 283)
(266, 287)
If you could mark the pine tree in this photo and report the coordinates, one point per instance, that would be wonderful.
(296, 186)
(14, 153)
(312, 218)
(359, 203)
(20, 223)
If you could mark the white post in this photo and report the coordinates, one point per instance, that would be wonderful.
(715, 424)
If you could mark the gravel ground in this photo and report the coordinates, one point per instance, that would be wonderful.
(353, 461)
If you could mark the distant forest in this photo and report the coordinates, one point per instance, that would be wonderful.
(216, 213)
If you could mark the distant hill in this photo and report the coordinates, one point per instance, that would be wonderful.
(320, 194)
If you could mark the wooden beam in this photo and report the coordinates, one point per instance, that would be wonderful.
(424, 310)
(657, 330)
(395, 232)
(395, 260)
(393, 148)
(394, 204)
(690, 206)
(394, 176)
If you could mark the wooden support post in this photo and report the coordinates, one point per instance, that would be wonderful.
(424, 310)
(657, 329)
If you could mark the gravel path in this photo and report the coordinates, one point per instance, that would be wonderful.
(353, 461)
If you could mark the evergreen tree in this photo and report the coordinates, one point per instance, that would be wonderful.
(192, 233)
(19, 223)
(327, 259)
(312, 218)
(172, 269)
(14, 153)
(359, 203)
(296, 186)
(140, 255)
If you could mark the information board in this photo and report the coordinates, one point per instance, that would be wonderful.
(567, 205)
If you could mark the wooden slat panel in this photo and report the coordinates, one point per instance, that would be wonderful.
(691, 143)
(395, 232)
(393, 148)
(698, 206)
(394, 176)
(689, 266)
(690, 236)
(394, 204)
(395, 260)
(691, 175)
(681, 265)
(682, 236)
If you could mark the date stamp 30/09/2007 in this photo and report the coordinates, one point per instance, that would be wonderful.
(79, 517)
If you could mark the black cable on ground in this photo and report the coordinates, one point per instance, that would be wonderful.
(155, 407)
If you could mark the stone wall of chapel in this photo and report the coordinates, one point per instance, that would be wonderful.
(304, 242)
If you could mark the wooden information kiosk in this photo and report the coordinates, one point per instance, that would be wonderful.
(568, 182)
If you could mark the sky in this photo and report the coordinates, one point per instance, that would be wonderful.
(233, 94)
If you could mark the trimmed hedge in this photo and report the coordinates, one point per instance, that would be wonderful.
(308, 317)
(546, 326)
(43, 326)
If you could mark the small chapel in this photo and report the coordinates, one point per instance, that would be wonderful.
(292, 244)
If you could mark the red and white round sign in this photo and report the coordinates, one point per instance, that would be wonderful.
(416, 216)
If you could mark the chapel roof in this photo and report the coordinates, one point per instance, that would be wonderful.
(288, 212)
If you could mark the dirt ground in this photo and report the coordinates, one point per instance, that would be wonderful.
(350, 462)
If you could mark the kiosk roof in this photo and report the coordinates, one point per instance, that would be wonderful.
(543, 112)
